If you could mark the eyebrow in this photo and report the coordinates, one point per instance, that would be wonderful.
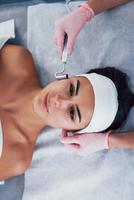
(76, 92)
(77, 87)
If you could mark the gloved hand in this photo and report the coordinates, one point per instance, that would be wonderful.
(87, 143)
(71, 25)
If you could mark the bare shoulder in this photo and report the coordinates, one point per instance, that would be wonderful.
(16, 161)
(17, 60)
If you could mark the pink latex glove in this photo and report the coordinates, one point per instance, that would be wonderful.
(87, 143)
(71, 25)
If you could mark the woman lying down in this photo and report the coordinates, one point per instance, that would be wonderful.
(98, 101)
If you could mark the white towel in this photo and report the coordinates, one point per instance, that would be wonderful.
(55, 172)
(7, 31)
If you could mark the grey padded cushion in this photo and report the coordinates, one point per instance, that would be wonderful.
(18, 12)
(12, 189)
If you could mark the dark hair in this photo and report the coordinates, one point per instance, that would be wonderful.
(125, 95)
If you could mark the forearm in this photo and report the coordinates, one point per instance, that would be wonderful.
(101, 5)
(121, 140)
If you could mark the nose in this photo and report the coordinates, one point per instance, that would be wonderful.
(62, 102)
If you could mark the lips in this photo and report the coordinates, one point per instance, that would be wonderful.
(46, 102)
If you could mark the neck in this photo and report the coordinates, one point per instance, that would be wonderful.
(23, 114)
(28, 114)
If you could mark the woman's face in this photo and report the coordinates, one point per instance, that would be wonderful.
(67, 103)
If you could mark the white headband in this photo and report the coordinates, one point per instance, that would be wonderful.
(106, 102)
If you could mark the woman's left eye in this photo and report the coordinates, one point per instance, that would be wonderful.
(72, 113)
(71, 90)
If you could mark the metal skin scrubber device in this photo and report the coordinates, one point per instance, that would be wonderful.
(60, 75)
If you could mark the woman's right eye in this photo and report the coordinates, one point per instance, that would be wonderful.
(71, 90)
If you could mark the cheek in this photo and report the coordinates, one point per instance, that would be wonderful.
(58, 119)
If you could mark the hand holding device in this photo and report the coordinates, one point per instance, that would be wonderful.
(71, 25)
